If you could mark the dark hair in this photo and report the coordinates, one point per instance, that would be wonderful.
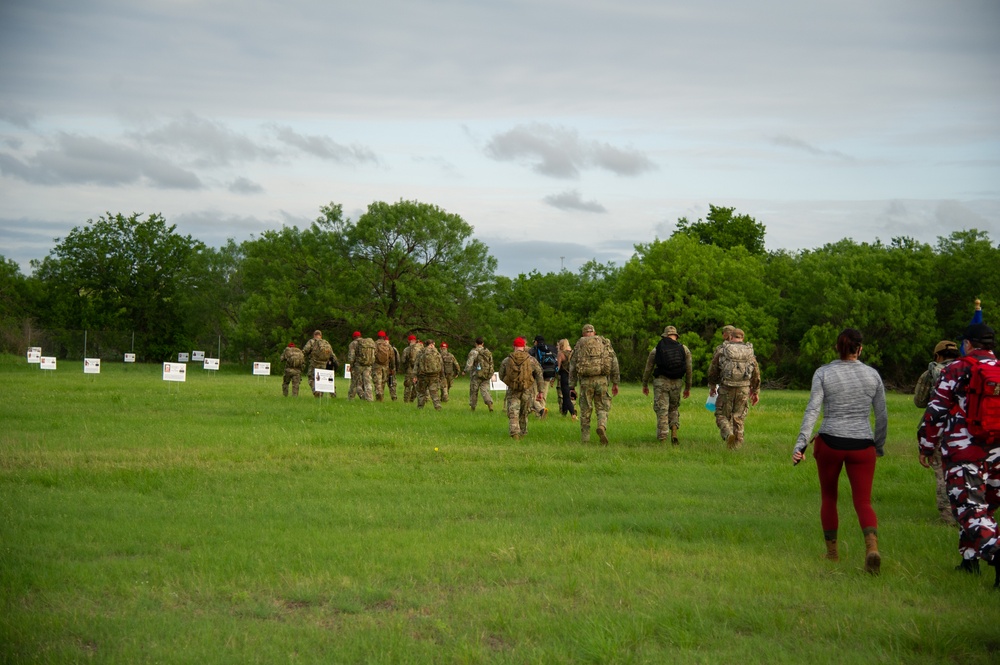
(479, 340)
(848, 342)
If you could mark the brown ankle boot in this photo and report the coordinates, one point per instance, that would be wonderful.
(831, 550)
(873, 560)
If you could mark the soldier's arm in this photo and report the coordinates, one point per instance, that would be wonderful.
(648, 372)
(687, 370)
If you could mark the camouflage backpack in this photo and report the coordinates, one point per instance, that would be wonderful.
(429, 362)
(736, 364)
(366, 351)
(296, 359)
(591, 357)
(484, 363)
(322, 351)
(518, 375)
(383, 352)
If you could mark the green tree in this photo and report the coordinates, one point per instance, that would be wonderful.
(966, 268)
(724, 229)
(122, 273)
(697, 288)
(413, 267)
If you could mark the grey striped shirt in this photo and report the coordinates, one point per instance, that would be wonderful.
(847, 392)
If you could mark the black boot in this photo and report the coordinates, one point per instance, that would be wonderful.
(970, 566)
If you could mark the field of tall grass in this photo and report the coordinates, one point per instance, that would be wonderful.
(215, 521)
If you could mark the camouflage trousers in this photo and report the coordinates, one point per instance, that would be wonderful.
(941, 489)
(593, 396)
(361, 382)
(380, 377)
(479, 387)
(429, 387)
(409, 388)
(666, 404)
(391, 381)
(294, 377)
(311, 378)
(731, 409)
(446, 387)
(974, 490)
(518, 403)
(539, 405)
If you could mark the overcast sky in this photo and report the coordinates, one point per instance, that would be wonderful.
(561, 130)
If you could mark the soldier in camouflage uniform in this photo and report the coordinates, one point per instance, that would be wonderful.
(595, 365)
(479, 368)
(407, 362)
(428, 371)
(294, 361)
(945, 352)
(360, 356)
(319, 352)
(672, 373)
(734, 370)
(451, 370)
(394, 369)
(383, 367)
(525, 384)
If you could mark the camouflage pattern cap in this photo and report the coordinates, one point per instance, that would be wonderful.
(728, 329)
(317, 332)
(588, 328)
(944, 345)
(669, 330)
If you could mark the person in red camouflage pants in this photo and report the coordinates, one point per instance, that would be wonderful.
(972, 467)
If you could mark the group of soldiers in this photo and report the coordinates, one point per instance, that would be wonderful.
(428, 373)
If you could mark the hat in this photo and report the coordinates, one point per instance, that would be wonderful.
(519, 342)
(539, 339)
(588, 328)
(317, 332)
(669, 330)
(444, 345)
(944, 345)
(411, 338)
(291, 344)
(357, 334)
(979, 332)
(381, 333)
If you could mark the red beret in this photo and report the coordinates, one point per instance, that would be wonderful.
(519, 342)
(381, 333)
(357, 334)
(411, 338)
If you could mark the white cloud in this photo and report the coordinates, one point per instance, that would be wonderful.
(559, 152)
(571, 200)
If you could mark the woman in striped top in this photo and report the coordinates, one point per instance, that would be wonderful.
(848, 391)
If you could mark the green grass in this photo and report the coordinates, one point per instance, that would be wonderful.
(215, 521)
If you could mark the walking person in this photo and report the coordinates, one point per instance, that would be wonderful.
(566, 405)
(963, 421)
(734, 370)
(479, 368)
(847, 391)
(294, 361)
(595, 365)
(945, 352)
(525, 383)
(670, 366)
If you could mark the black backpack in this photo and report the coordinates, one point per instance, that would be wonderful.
(670, 360)
(547, 359)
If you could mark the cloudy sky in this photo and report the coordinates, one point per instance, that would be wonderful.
(561, 130)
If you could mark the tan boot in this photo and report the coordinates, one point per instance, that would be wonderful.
(673, 435)
(831, 550)
(873, 560)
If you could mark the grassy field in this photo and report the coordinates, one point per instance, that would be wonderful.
(214, 521)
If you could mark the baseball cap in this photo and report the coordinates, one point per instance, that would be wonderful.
(944, 345)
(979, 332)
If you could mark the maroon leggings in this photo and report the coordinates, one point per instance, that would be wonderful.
(860, 466)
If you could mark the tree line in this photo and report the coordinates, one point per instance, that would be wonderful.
(412, 268)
